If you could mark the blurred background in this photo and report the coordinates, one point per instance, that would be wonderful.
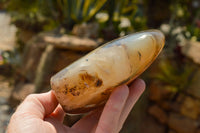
(40, 37)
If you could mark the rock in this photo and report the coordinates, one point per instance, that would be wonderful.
(105, 58)
(67, 57)
(66, 47)
(190, 107)
(7, 32)
(182, 124)
(171, 131)
(5, 89)
(40, 63)
(4, 120)
(25, 35)
(31, 57)
(4, 108)
(158, 113)
(90, 30)
(191, 50)
(20, 92)
(180, 98)
(149, 125)
(3, 100)
(170, 105)
(155, 91)
(71, 42)
(166, 105)
(160, 91)
(46, 61)
(198, 131)
(109, 33)
(175, 107)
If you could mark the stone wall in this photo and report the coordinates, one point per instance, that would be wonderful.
(175, 112)
(45, 55)
(173, 108)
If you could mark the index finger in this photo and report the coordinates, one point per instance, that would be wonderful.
(108, 121)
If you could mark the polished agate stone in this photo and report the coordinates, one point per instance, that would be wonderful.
(88, 82)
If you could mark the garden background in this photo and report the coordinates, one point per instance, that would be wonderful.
(40, 37)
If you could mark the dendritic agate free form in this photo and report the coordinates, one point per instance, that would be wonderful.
(87, 83)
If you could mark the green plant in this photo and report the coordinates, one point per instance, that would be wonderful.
(125, 15)
(173, 74)
(55, 12)
(72, 11)
(48, 14)
(186, 13)
(192, 32)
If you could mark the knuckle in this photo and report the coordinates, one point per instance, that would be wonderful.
(113, 108)
(31, 98)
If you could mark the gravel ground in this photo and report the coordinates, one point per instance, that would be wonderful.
(5, 109)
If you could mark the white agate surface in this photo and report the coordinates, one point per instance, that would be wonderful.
(88, 82)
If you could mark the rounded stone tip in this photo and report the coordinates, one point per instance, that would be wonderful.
(160, 38)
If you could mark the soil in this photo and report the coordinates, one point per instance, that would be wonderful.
(5, 110)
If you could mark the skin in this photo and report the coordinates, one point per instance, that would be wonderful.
(41, 113)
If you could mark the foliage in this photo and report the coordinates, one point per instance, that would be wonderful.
(55, 12)
(48, 14)
(186, 13)
(1, 59)
(192, 32)
(71, 11)
(124, 17)
(3, 4)
(11, 57)
(174, 74)
(131, 9)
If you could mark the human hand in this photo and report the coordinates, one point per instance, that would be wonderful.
(40, 113)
